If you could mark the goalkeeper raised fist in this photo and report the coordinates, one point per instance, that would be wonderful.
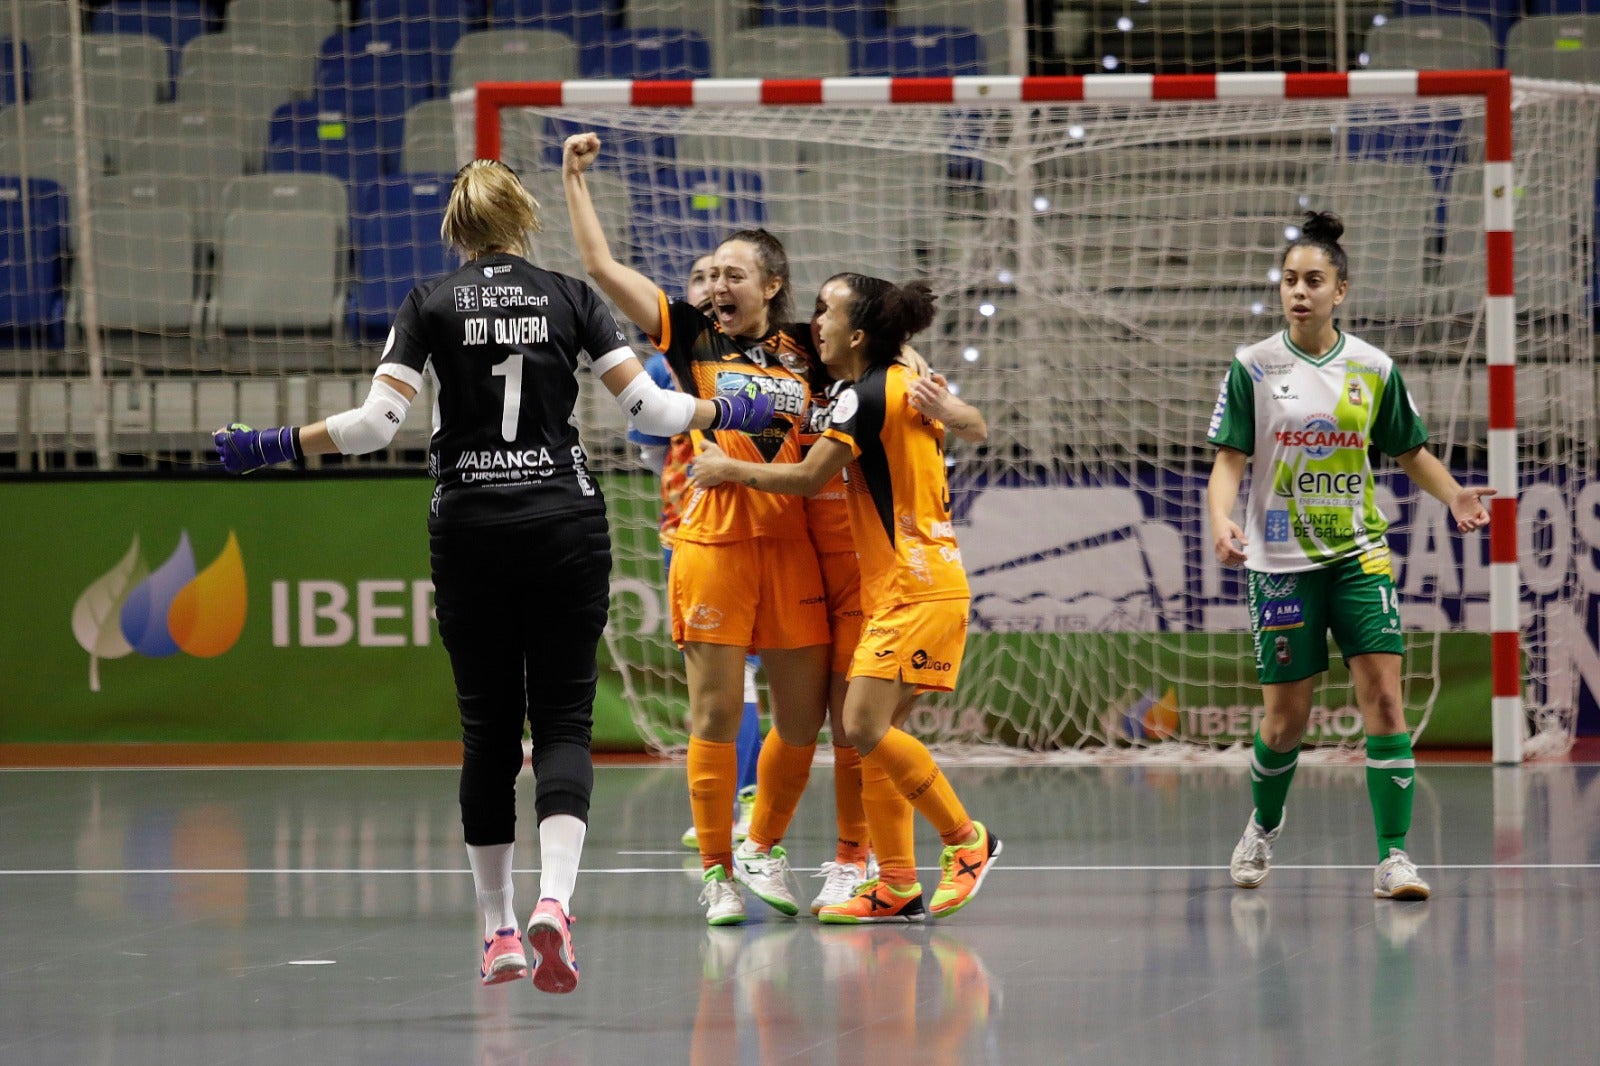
(243, 449)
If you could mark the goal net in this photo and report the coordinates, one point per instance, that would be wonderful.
(1098, 262)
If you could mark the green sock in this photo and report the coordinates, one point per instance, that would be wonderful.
(1390, 773)
(1270, 774)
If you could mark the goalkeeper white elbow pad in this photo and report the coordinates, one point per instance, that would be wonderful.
(372, 425)
(654, 410)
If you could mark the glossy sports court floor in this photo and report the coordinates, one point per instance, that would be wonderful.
(326, 916)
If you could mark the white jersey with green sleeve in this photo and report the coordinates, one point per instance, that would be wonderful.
(1306, 422)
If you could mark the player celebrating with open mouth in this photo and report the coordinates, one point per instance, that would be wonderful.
(914, 593)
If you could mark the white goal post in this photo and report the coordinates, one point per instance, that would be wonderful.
(1101, 243)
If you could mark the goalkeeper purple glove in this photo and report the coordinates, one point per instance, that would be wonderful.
(748, 410)
(243, 449)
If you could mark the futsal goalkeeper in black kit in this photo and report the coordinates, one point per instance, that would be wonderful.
(519, 547)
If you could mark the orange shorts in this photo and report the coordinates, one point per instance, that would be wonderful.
(841, 581)
(919, 643)
(760, 593)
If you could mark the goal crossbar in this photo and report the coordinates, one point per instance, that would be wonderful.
(1492, 86)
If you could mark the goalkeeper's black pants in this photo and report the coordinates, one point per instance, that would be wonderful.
(521, 610)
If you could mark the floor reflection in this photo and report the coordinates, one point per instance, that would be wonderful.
(775, 992)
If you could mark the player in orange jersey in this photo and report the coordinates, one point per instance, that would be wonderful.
(744, 574)
(669, 458)
(914, 593)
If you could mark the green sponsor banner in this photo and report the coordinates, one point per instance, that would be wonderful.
(209, 610)
(298, 608)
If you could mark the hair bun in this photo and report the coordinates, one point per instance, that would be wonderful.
(1325, 227)
(917, 306)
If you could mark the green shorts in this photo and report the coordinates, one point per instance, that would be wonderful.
(1292, 614)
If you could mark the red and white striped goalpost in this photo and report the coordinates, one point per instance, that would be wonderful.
(1494, 86)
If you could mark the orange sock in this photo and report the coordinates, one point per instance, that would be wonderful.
(848, 808)
(713, 779)
(781, 775)
(893, 823)
(912, 769)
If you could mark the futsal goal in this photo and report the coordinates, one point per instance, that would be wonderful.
(1102, 245)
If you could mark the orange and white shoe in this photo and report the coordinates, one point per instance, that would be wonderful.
(876, 902)
(841, 879)
(503, 959)
(963, 868)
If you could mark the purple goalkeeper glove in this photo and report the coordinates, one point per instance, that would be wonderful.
(748, 410)
(243, 449)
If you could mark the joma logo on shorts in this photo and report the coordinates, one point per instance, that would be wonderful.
(704, 617)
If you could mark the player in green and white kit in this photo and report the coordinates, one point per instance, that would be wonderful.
(1302, 408)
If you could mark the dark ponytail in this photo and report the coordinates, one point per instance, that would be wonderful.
(1322, 230)
(887, 313)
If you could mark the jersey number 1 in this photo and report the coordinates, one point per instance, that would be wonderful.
(511, 369)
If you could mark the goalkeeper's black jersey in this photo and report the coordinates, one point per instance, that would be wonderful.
(503, 339)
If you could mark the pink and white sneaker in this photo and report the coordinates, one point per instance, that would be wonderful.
(555, 967)
(503, 959)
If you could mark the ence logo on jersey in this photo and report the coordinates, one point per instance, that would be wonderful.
(157, 613)
(1319, 484)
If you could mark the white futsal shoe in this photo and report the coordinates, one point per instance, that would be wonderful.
(1252, 856)
(1396, 878)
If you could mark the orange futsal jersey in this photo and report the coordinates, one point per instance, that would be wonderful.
(708, 361)
(827, 516)
(674, 486)
(899, 498)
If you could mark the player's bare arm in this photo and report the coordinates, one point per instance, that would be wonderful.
(1222, 492)
(634, 294)
(713, 467)
(1434, 478)
(931, 396)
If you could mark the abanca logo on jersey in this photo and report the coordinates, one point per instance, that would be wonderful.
(157, 613)
(1321, 437)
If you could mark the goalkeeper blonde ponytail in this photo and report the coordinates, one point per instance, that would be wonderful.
(489, 211)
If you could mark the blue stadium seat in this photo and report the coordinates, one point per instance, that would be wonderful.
(363, 76)
(1564, 7)
(645, 55)
(395, 231)
(1436, 144)
(33, 242)
(1499, 14)
(855, 19)
(428, 28)
(173, 22)
(582, 20)
(8, 71)
(920, 52)
(680, 214)
(305, 139)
